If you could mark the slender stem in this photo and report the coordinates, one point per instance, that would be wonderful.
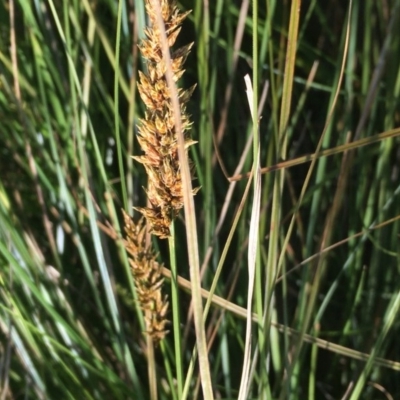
(175, 310)
(168, 370)
(190, 219)
(151, 368)
(116, 108)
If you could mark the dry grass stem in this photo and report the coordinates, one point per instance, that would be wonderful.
(157, 131)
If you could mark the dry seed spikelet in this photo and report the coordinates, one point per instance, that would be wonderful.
(147, 275)
(157, 132)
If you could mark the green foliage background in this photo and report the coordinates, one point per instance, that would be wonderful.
(69, 110)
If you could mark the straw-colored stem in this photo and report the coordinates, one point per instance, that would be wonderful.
(176, 320)
(151, 368)
(191, 228)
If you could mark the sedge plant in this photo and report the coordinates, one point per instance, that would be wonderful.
(283, 285)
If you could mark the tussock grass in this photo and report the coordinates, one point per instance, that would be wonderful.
(318, 226)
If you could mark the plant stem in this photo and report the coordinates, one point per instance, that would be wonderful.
(175, 310)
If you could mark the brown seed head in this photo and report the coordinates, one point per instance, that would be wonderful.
(147, 275)
(157, 131)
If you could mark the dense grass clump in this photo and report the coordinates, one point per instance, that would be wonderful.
(279, 279)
